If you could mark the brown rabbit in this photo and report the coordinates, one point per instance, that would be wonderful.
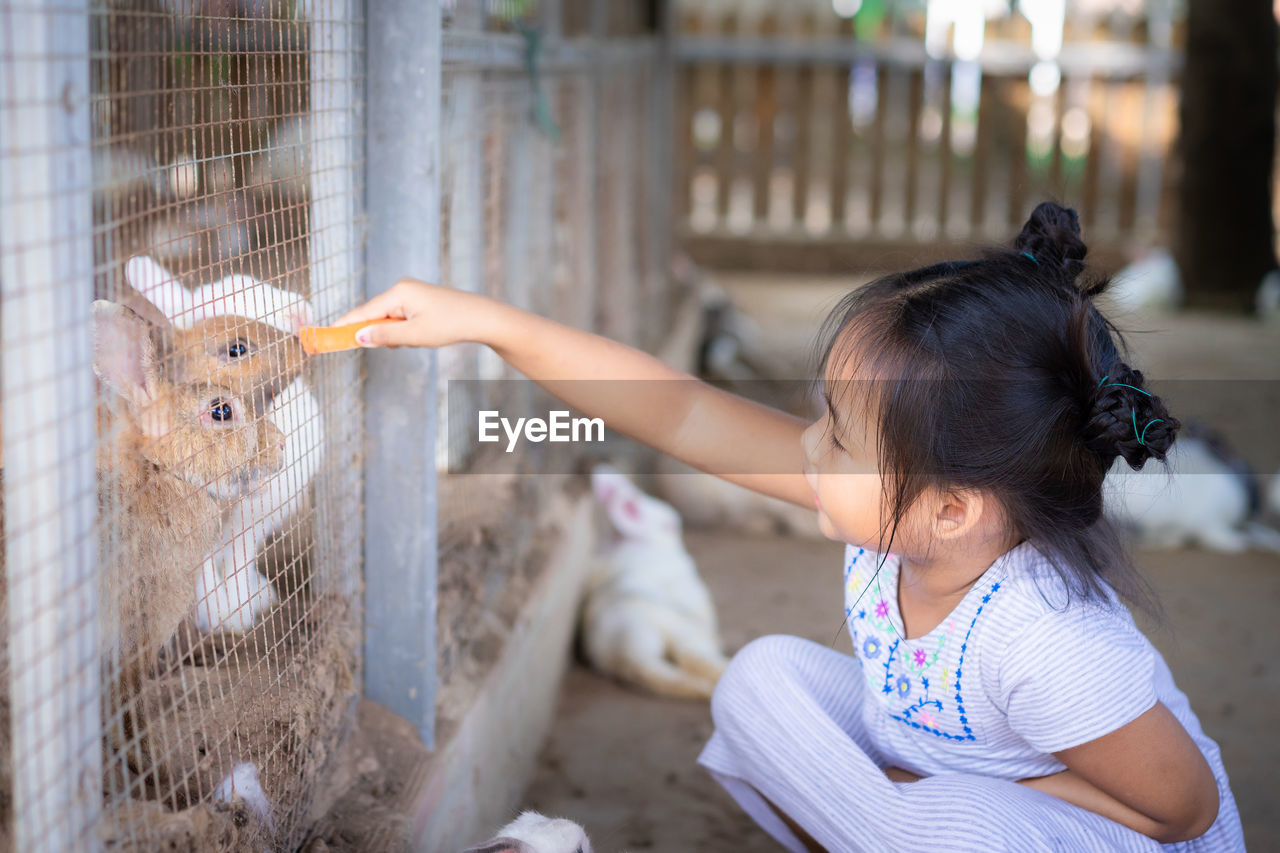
(249, 357)
(165, 449)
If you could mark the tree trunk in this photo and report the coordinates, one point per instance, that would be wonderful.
(1225, 240)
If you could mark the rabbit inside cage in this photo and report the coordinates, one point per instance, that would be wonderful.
(227, 648)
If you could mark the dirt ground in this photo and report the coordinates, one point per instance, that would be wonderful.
(623, 764)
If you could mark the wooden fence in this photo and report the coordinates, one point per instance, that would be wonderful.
(809, 142)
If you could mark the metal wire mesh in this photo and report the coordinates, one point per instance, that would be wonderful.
(181, 191)
(208, 200)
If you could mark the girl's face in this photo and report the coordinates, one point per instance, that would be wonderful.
(842, 470)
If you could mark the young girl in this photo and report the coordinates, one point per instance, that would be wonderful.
(1001, 697)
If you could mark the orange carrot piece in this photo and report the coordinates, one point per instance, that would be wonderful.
(318, 339)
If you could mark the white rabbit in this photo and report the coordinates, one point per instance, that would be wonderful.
(242, 782)
(647, 618)
(536, 833)
(707, 500)
(238, 295)
(1152, 281)
(1205, 499)
(230, 592)
(1267, 300)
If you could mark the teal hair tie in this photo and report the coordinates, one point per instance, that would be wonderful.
(1031, 257)
(1138, 435)
(1122, 385)
(1144, 429)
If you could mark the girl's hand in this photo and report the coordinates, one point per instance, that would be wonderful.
(434, 316)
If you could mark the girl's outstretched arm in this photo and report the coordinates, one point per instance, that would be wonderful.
(636, 394)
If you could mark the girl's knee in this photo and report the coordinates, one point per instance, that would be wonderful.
(757, 667)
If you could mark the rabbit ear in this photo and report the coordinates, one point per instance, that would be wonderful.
(609, 483)
(502, 845)
(161, 289)
(124, 355)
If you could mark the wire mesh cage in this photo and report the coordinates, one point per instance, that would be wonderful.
(182, 187)
(181, 549)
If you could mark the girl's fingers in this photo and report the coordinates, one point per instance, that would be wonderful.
(388, 303)
(388, 335)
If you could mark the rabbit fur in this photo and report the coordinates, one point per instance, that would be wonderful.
(1205, 499)
(244, 333)
(165, 450)
(647, 618)
(532, 832)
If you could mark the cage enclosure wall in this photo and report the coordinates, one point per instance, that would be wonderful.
(182, 487)
(195, 592)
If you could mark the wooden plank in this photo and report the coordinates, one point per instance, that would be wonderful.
(914, 103)
(1056, 187)
(1093, 103)
(946, 153)
(686, 145)
(877, 147)
(840, 149)
(804, 118)
(1018, 154)
(725, 150)
(983, 144)
(766, 111)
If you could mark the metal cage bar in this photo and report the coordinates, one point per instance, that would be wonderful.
(46, 277)
(402, 197)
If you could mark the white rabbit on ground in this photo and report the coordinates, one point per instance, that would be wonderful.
(647, 618)
(1150, 282)
(532, 832)
(1208, 497)
(244, 331)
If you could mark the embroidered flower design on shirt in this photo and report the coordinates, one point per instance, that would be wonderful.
(903, 686)
(882, 608)
(871, 648)
(919, 657)
(926, 719)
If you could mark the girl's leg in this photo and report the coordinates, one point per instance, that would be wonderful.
(788, 730)
(789, 737)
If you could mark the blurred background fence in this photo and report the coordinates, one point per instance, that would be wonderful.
(827, 135)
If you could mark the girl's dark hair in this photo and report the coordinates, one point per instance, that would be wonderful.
(1001, 376)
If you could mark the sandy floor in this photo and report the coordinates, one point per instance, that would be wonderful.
(623, 764)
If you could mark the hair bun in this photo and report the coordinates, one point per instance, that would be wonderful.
(1126, 420)
(1052, 237)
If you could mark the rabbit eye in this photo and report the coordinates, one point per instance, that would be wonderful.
(220, 410)
(238, 348)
